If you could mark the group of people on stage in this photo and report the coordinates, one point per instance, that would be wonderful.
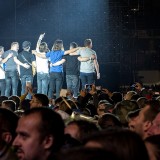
(81, 64)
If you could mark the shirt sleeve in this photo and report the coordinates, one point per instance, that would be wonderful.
(48, 54)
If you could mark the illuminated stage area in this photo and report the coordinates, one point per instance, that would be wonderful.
(125, 33)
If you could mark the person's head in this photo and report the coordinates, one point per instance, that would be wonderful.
(43, 47)
(58, 45)
(3, 98)
(141, 101)
(143, 121)
(153, 146)
(79, 129)
(85, 153)
(123, 108)
(39, 100)
(8, 124)
(116, 97)
(1, 50)
(155, 128)
(15, 46)
(109, 120)
(73, 45)
(138, 86)
(26, 45)
(103, 107)
(16, 99)
(40, 132)
(9, 104)
(88, 43)
(123, 143)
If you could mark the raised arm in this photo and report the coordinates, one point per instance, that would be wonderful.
(39, 41)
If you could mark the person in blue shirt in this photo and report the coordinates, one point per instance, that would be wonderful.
(56, 67)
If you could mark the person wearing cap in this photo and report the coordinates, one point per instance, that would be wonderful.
(11, 70)
(26, 74)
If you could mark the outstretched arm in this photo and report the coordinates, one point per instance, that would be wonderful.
(7, 58)
(84, 59)
(41, 55)
(71, 51)
(25, 65)
(58, 63)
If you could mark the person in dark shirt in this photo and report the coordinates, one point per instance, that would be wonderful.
(72, 72)
(26, 74)
(11, 72)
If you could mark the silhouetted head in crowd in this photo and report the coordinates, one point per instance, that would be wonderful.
(16, 99)
(123, 143)
(109, 120)
(141, 101)
(2, 98)
(153, 146)
(123, 108)
(8, 124)
(79, 129)
(39, 100)
(84, 153)
(9, 104)
(40, 132)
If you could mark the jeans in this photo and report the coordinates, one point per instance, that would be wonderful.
(73, 84)
(55, 85)
(42, 83)
(2, 86)
(11, 78)
(24, 79)
(87, 78)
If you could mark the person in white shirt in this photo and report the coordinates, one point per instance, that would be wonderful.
(42, 67)
(2, 73)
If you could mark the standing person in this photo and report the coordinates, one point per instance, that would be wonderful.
(26, 75)
(2, 73)
(72, 72)
(42, 66)
(87, 68)
(11, 70)
(56, 67)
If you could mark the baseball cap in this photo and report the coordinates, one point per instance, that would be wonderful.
(26, 44)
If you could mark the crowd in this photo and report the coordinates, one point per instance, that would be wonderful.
(92, 124)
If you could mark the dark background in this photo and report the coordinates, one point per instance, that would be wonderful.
(125, 33)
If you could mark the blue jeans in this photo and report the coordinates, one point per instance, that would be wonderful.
(2, 86)
(24, 79)
(55, 85)
(73, 84)
(42, 83)
(87, 78)
(11, 78)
